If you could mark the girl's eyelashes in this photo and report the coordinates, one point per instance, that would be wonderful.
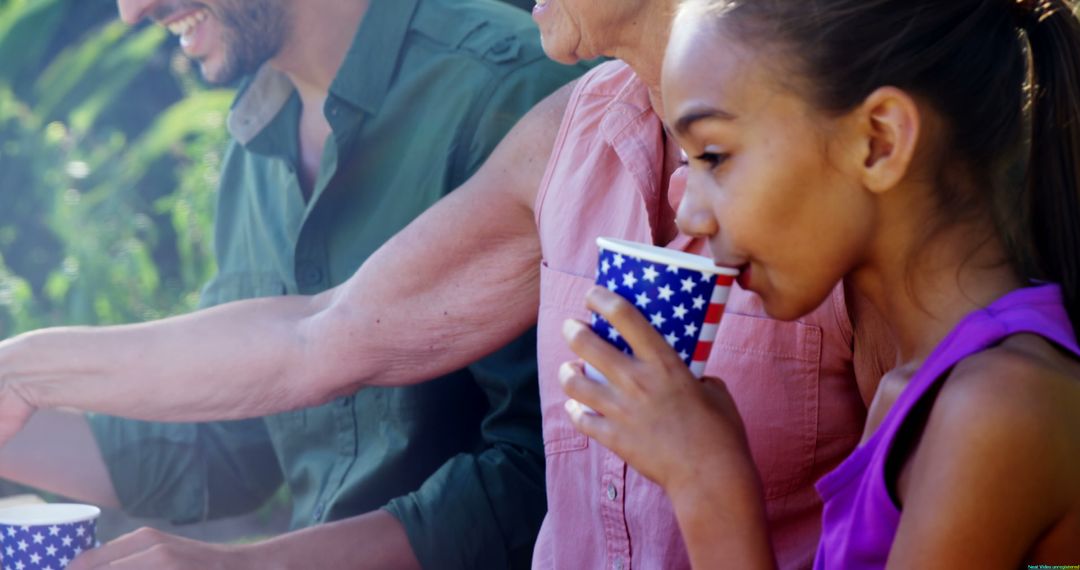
(712, 159)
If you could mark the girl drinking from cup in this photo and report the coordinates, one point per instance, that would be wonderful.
(877, 141)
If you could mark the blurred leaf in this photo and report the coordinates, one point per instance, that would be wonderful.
(26, 28)
(108, 168)
(72, 83)
(197, 113)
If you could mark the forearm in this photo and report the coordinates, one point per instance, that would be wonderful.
(462, 279)
(724, 524)
(263, 356)
(372, 541)
(456, 284)
(43, 453)
(236, 360)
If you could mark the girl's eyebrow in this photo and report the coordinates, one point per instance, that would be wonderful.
(694, 115)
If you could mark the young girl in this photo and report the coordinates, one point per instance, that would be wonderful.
(877, 140)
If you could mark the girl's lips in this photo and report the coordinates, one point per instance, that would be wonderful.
(744, 277)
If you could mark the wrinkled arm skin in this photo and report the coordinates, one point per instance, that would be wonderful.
(453, 286)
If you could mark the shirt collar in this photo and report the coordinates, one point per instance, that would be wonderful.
(636, 134)
(629, 109)
(363, 80)
(259, 101)
(374, 54)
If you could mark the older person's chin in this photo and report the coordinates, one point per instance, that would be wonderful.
(559, 53)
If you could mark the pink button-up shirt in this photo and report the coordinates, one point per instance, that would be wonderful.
(793, 381)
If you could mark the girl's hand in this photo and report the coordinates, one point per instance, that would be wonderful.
(677, 431)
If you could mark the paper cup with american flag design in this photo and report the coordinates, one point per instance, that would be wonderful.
(681, 294)
(46, 536)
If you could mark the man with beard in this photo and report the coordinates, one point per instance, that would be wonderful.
(353, 117)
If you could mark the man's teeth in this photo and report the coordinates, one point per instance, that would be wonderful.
(184, 25)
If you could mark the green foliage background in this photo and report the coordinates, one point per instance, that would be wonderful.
(110, 148)
(109, 154)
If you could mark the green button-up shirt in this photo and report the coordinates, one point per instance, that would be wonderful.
(523, 4)
(426, 91)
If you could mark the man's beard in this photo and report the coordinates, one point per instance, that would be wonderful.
(254, 31)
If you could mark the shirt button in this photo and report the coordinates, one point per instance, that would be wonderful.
(611, 492)
(503, 50)
(618, 564)
(317, 515)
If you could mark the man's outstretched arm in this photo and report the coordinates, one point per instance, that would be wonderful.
(456, 284)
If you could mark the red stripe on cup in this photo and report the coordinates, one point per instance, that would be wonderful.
(701, 352)
(725, 280)
(712, 316)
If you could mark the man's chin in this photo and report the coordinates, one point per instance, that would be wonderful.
(217, 74)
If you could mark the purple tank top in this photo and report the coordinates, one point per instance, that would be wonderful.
(860, 518)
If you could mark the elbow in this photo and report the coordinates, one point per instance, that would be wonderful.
(329, 347)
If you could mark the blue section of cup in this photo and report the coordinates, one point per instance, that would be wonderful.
(673, 299)
(45, 546)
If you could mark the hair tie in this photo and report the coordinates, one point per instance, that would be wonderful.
(1028, 13)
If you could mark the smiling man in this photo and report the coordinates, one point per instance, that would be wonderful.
(352, 118)
(229, 39)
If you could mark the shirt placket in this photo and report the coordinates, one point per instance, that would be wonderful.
(613, 511)
(312, 260)
(613, 493)
(343, 417)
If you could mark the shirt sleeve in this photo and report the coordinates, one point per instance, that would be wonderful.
(484, 510)
(188, 472)
(507, 100)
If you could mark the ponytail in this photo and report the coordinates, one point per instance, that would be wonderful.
(1053, 173)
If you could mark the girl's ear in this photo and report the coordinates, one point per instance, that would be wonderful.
(889, 122)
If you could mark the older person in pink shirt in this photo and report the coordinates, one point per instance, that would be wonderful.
(514, 246)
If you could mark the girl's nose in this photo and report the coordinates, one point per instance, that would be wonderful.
(695, 216)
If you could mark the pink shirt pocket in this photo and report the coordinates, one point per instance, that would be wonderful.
(772, 370)
(563, 298)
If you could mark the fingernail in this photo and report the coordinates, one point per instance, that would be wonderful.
(600, 299)
(573, 407)
(564, 373)
(570, 327)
